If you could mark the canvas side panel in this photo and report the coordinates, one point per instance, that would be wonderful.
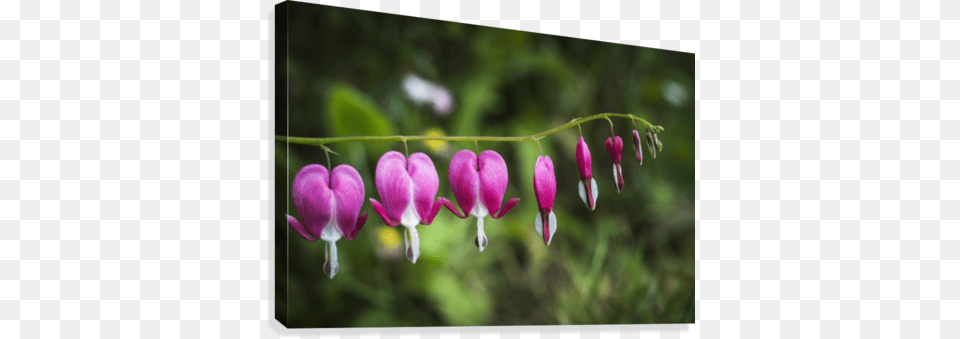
(280, 187)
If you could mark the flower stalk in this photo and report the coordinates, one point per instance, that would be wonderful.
(403, 138)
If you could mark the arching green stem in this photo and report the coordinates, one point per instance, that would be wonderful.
(575, 122)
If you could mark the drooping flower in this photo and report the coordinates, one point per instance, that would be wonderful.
(636, 147)
(545, 189)
(588, 185)
(407, 188)
(615, 148)
(479, 187)
(329, 204)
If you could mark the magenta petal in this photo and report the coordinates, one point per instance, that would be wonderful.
(449, 205)
(588, 192)
(493, 180)
(425, 183)
(313, 198)
(377, 207)
(428, 218)
(348, 193)
(614, 148)
(583, 159)
(297, 227)
(545, 225)
(545, 189)
(544, 183)
(618, 176)
(636, 146)
(506, 208)
(393, 184)
(361, 220)
(464, 180)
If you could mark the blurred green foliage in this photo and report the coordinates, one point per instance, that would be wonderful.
(629, 261)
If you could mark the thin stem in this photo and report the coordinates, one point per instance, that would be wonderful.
(477, 145)
(576, 122)
(581, 129)
(537, 140)
(406, 150)
(612, 133)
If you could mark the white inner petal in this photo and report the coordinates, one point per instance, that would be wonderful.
(478, 210)
(481, 235)
(583, 192)
(539, 224)
(616, 178)
(331, 259)
(411, 241)
(410, 217)
(553, 227)
(331, 232)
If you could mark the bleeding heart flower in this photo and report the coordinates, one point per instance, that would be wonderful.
(614, 148)
(479, 187)
(588, 186)
(636, 147)
(407, 188)
(545, 189)
(329, 206)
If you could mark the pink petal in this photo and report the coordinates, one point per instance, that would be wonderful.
(583, 159)
(546, 225)
(361, 220)
(506, 208)
(453, 209)
(347, 187)
(393, 184)
(614, 148)
(428, 219)
(312, 198)
(425, 183)
(588, 192)
(544, 183)
(296, 227)
(377, 207)
(493, 180)
(464, 179)
(636, 146)
(618, 176)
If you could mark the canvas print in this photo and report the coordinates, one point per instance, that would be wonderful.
(433, 173)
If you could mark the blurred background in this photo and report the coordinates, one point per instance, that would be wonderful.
(629, 261)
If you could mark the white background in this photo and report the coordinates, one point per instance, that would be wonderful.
(136, 157)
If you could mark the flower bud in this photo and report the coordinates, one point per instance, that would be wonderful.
(636, 147)
(614, 148)
(588, 185)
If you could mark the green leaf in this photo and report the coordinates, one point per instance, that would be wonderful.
(353, 113)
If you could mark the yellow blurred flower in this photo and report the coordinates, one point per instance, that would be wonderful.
(436, 146)
(388, 242)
